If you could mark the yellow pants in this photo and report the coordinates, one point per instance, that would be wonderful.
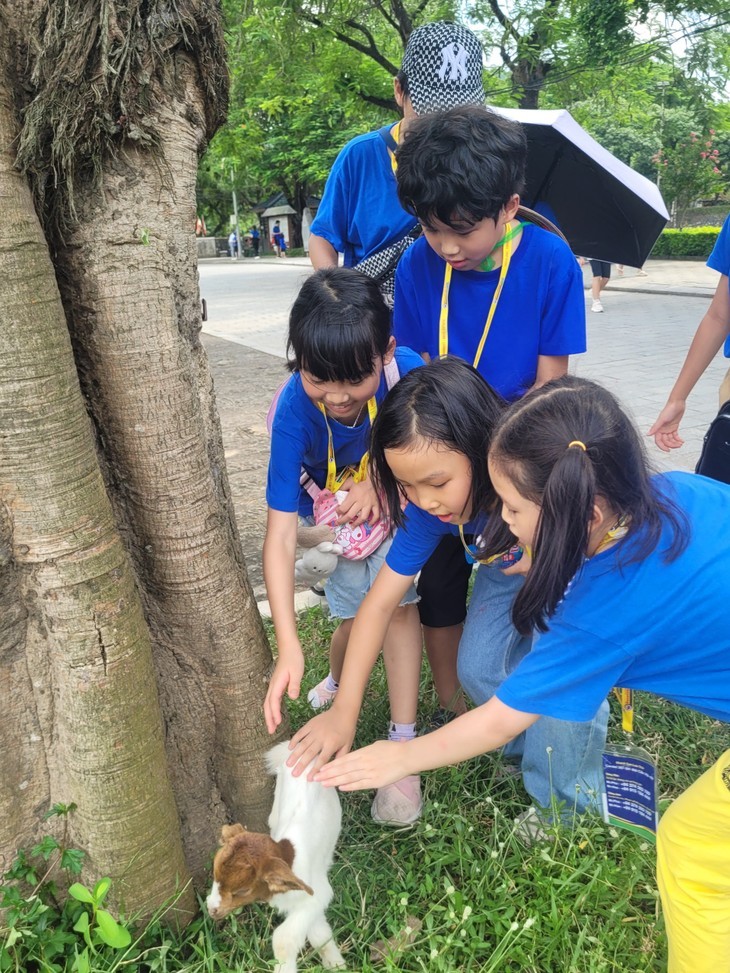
(693, 852)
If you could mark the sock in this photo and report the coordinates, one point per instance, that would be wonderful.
(402, 731)
(330, 685)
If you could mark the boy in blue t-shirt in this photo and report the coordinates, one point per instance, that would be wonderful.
(504, 295)
(341, 346)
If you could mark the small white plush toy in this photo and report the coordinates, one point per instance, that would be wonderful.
(317, 563)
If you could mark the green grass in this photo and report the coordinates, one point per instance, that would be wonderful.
(584, 902)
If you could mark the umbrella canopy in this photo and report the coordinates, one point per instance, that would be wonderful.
(606, 210)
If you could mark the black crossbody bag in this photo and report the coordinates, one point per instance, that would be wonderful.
(714, 459)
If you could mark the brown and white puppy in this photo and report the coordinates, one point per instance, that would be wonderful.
(287, 868)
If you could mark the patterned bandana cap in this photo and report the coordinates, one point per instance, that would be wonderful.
(443, 65)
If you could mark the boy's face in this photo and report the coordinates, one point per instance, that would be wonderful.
(466, 245)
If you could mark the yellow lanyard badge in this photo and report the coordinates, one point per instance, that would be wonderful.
(506, 244)
(335, 483)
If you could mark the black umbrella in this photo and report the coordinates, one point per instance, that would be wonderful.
(605, 209)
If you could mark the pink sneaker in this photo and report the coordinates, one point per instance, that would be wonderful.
(398, 803)
(321, 696)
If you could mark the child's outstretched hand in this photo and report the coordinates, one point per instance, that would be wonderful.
(361, 504)
(379, 764)
(666, 428)
(287, 677)
(319, 740)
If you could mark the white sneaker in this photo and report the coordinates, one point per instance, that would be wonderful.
(596, 306)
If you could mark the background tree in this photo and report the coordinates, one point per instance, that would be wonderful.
(132, 643)
(306, 77)
(688, 172)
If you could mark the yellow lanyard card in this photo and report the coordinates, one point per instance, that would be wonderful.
(334, 483)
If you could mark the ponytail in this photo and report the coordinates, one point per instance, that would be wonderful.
(561, 542)
(563, 446)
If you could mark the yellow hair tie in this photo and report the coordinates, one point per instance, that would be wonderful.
(577, 442)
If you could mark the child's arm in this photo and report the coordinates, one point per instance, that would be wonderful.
(280, 547)
(711, 333)
(333, 732)
(485, 728)
(321, 252)
(550, 367)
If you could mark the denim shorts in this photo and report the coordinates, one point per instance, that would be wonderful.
(351, 581)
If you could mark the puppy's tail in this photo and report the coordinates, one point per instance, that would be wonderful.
(277, 756)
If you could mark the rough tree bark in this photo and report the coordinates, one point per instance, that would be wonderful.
(119, 219)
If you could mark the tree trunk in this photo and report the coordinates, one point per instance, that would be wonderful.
(127, 615)
(130, 289)
(80, 718)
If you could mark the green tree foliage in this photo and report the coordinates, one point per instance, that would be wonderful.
(306, 77)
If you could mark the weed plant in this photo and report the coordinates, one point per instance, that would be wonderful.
(458, 891)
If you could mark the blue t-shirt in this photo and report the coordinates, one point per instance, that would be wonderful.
(299, 439)
(360, 212)
(650, 625)
(415, 542)
(719, 259)
(541, 310)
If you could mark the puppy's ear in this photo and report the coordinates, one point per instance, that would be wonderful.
(280, 878)
(229, 831)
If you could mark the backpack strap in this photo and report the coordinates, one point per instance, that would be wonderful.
(528, 215)
(391, 373)
(386, 136)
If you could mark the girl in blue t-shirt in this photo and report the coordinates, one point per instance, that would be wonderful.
(341, 355)
(628, 583)
(429, 444)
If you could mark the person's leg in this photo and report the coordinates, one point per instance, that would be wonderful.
(693, 872)
(560, 761)
(338, 645)
(400, 803)
(402, 659)
(442, 587)
(490, 645)
(344, 591)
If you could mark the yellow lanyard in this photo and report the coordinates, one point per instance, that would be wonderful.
(624, 696)
(444, 316)
(395, 132)
(334, 483)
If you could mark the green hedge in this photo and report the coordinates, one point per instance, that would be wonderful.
(693, 241)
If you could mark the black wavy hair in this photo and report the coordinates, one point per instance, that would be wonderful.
(445, 402)
(339, 325)
(460, 166)
(531, 447)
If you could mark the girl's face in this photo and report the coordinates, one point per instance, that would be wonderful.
(344, 401)
(434, 478)
(520, 514)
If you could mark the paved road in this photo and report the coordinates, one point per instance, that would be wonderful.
(635, 347)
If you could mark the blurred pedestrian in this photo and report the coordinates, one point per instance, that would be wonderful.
(601, 271)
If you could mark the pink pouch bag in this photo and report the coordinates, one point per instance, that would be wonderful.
(358, 542)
